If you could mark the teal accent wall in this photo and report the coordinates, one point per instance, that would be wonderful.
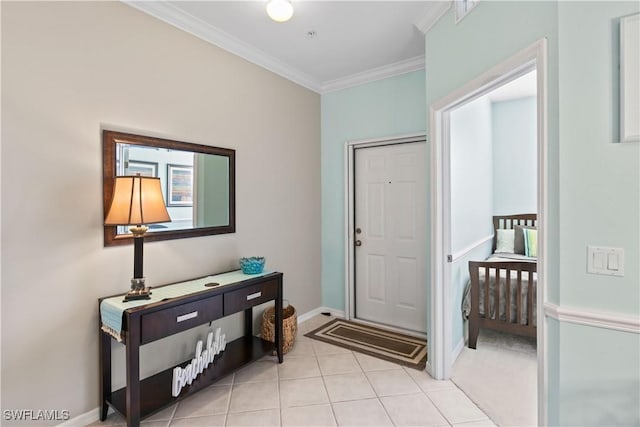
(385, 108)
(598, 383)
(599, 187)
(599, 179)
(593, 184)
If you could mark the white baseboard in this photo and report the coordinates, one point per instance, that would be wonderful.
(316, 311)
(428, 368)
(456, 351)
(85, 419)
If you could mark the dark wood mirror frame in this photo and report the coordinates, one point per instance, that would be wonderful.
(109, 141)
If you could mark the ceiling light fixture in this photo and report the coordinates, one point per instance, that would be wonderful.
(280, 10)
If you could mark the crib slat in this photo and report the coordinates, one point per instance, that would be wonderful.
(519, 299)
(508, 297)
(487, 280)
(530, 303)
(496, 296)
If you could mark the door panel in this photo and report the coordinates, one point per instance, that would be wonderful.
(375, 220)
(406, 222)
(375, 283)
(390, 209)
(407, 275)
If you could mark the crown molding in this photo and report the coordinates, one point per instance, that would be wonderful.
(172, 15)
(176, 17)
(433, 15)
(401, 67)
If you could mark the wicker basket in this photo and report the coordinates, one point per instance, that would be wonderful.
(289, 326)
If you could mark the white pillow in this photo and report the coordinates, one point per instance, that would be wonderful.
(505, 240)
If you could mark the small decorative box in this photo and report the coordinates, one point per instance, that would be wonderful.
(252, 265)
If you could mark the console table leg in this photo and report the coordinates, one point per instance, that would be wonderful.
(278, 323)
(132, 353)
(248, 322)
(105, 373)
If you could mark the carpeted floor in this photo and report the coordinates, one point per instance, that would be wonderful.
(500, 377)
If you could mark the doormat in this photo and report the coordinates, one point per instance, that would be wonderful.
(383, 344)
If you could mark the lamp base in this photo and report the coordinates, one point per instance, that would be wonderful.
(138, 290)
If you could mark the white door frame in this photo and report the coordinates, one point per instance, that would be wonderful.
(441, 310)
(349, 199)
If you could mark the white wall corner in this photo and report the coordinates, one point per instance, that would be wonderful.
(436, 11)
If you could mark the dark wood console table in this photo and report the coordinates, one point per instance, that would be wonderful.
(150, 322)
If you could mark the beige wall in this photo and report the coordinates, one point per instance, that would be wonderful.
(70, 69)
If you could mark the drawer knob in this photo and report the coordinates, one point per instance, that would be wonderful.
(254, 296)
(187, 316)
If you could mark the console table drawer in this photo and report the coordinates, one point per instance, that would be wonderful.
(248, 297)
(179, 318)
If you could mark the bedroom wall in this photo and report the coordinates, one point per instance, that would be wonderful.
(471, 197)
(71, 68)
(389, 107)
(593, 184)
(471, 174)
(515, 168)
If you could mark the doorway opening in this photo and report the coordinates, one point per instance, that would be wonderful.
(385, 244)
(443, 308)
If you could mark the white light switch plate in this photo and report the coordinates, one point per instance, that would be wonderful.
(604, 260)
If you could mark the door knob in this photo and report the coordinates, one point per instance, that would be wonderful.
(358, 243)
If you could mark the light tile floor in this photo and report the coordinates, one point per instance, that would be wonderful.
(322, 385)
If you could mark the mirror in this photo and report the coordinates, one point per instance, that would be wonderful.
(198, 184)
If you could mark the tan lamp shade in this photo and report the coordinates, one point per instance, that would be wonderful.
(136, 200)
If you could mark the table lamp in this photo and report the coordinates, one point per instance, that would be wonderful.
(137, 200)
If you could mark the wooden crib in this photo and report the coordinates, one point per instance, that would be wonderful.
(509, 293)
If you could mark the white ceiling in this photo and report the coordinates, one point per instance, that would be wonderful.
(354, 42)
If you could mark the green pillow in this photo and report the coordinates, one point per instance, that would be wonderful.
(530, 242)
(518, 241)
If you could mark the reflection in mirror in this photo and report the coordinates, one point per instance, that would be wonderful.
(197, 183)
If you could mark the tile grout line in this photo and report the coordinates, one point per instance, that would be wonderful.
(472, 401)
(278, 386)
(384, 408)
(333, 412)
(173, 413)
(430, 400)
(233, 383)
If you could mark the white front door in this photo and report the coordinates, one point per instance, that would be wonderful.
(390, 235)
